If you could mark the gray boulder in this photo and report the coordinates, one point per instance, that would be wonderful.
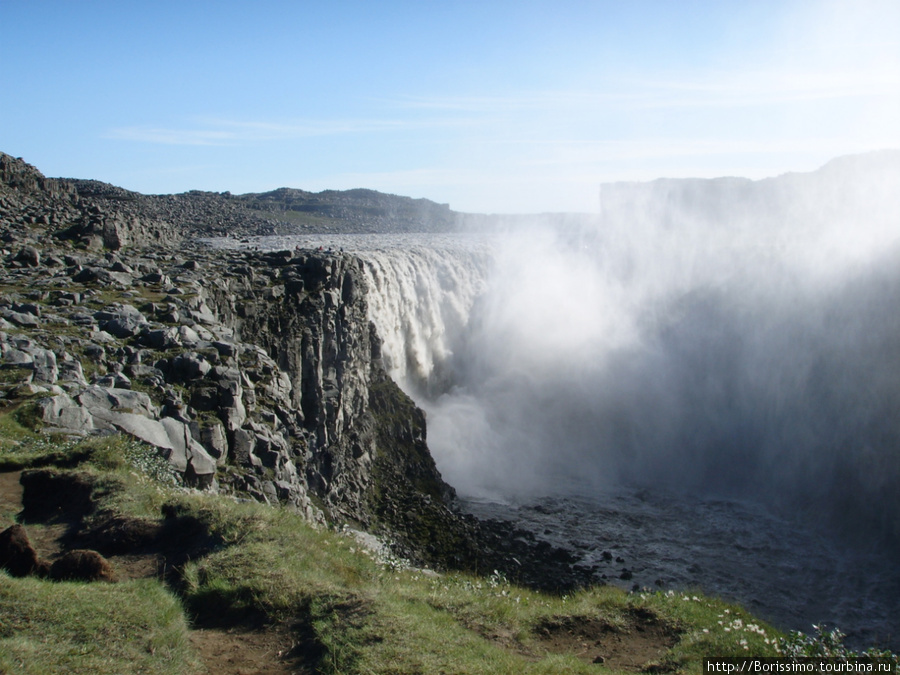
(190, 365)
(213, 438)
(186, 450)
(100, 398)
(21, 319)
(171, 436)
(17, 358)
(71, 372)
(28, 255)
(45, 367)
(63, 413)
(122, 321)
(160, 338)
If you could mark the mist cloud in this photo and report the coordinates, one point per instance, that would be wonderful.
(730, 338)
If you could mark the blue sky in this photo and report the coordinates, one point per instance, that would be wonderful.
(491, 106)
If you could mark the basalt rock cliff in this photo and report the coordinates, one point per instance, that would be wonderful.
(255, 374)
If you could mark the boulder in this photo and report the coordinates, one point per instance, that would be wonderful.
(88, 275)
(187, 456)
(148, 375)
(188, 336)
(122, 321)
(216, 443)
(28, 255)
(17, 358)
(243, 443)
(113, 398)
(21, 319)
(45, 368)
(61, 412)
(171, 436)
(119, 266)
(70, 371)
(160, 338)
(124, 327)
(27, 308)
(157, 278)
(190, 365)
(145, 429)
(114, 381)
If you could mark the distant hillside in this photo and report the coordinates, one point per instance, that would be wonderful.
(197, 213)
(282, 211)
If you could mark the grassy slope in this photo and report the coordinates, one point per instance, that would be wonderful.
(362, 614)
(131, 627)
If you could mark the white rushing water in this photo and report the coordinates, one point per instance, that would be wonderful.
(703, 379)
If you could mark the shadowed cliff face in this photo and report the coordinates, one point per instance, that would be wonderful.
(309, 314)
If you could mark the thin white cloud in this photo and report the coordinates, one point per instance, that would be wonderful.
(219, 132)
(712, 89)
(163, 136)
(225, 132)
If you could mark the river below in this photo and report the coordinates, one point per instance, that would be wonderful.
(784, 573)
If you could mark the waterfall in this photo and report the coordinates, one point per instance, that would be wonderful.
(421, 298)
(730, 337)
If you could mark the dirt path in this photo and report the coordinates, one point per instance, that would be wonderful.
(238, 650)
(642, 641)
(243, 651)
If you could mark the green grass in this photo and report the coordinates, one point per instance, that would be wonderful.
(12, 430)
(48, 628)
(372, 617)
(366, 614)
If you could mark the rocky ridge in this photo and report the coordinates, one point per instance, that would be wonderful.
(255, 374)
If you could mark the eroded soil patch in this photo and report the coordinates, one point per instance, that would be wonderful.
(637, 645)
(45, 537)
(245, 650)
(53, 529)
